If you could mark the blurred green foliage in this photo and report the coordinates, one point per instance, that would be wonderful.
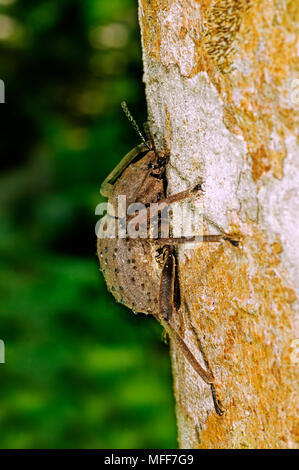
(81, 371)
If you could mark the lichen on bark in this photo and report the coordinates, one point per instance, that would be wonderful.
(219, 84)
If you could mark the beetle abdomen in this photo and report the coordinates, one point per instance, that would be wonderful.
(130, 277)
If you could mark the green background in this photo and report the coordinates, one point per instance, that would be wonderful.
(81, 371)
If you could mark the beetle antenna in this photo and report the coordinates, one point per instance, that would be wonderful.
(133, 122)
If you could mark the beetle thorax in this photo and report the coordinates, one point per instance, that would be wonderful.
(142, 181)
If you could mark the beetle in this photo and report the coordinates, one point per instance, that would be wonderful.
(142, 273)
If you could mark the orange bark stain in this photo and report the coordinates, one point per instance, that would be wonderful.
(254, 33)
(243, 310)
(239, 299)
(260, 41)
(151, 27)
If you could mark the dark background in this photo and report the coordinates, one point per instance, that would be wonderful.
(81, 371)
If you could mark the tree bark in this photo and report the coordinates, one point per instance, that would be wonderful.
(221, 80)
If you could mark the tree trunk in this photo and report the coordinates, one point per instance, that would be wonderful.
(221, 90)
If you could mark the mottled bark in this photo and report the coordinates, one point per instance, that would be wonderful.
(221, 81)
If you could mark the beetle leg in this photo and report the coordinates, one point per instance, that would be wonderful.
(161, 254)
(167, 284)
(182, 195)
(167, 305)
(169, 200)
(177, 290)
(206, 375)
(157, 210)
(195, 239)
(217, 403)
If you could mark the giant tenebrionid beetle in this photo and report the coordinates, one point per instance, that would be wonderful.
(142, 273)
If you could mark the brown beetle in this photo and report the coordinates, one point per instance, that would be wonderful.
(142, 273)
